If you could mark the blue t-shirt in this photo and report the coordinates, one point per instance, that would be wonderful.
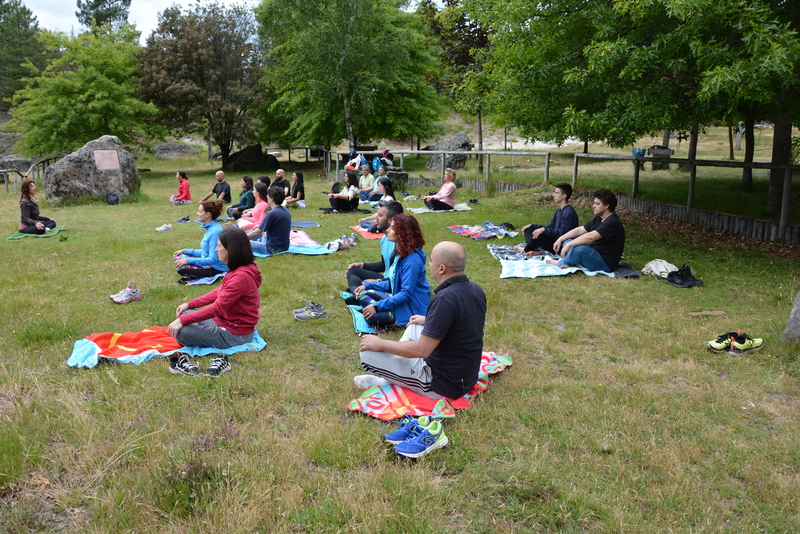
(275, 229)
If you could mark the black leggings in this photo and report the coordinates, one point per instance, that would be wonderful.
(48, 225)
(437, 205)
(203, 272)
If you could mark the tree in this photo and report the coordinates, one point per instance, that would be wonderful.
(19, 44)
(201, 68)
(102, 12)
(90, 90)
(346, 69)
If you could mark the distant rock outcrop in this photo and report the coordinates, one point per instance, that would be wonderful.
(100, 167)
(458, 143)
(173, 150)
(251, 158)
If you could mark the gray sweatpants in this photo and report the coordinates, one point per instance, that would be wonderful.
(410, 373)
(208, 334)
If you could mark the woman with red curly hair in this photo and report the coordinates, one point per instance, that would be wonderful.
(31, 222)
(405, 291)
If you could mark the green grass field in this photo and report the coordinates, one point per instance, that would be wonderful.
(614, 417)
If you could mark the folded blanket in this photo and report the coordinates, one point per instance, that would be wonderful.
(457, 207)
(47, 233)
(205, 281)
(305, 224)
(300, 243)
(482, 231)
(507, 252)
(363, 232)
(138, 347)
(392, 402)
(359, 322)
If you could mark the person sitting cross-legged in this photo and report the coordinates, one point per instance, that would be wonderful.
(597, 245)
(564, 220)
(358, 272)
(439, 354)
(271, 236)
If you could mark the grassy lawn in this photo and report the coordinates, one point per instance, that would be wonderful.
(614, 417)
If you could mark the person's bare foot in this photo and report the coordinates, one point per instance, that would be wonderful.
(519, 249)
(533, 253)
(550, 261)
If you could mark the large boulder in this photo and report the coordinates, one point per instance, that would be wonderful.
(251, 158)
(458, 143)
(792, 332)
(77, 175)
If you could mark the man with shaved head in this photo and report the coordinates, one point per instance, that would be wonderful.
(439, 354)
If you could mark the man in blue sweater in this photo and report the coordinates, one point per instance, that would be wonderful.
(564, 220)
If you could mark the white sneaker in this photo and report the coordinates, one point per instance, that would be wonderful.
(164, 228)
(367, 381)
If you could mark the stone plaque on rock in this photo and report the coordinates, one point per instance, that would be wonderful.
(106, 160)
(78, 175)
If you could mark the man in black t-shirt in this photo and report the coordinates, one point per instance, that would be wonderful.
(597, 245)
(282, 182)
(221, 190)
(439, 355)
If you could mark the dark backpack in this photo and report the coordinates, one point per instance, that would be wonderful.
(112, 199)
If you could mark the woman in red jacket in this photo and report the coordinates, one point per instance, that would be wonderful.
(183, 196)
(231, 311)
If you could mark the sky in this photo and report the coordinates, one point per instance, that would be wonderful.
(59, 15)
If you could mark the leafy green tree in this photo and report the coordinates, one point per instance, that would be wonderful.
(19, 44)
(103, 12)
(346, 69)
(202, 69)
(90, 90)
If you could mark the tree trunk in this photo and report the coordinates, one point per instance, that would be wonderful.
(480, 141)
(586, 147)
(781, 155)
(225, 149)
(665, 140)
(749, 150)
(348, 120)
(692, 168)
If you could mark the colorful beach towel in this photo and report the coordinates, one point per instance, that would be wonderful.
(392, 402)
(47, 233)
(485, 230)
(138, 347)
(518, 265)
(363, 232)
(457, 207)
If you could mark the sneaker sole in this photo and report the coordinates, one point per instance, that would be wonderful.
(179, 372)
(221, 372)
(321, 316)
(718, 351)
(438, 445)
(126, 301)
(737, 352)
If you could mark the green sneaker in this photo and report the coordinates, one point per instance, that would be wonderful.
(421, 441)
(743, 343)
(722, 343)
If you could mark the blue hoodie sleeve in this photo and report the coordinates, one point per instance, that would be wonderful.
(409, 270)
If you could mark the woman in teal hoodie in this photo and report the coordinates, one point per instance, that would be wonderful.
(203, 262)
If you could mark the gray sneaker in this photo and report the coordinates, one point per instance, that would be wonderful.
(179, 364)
(127, 295)
(309, 305)
(311, 313)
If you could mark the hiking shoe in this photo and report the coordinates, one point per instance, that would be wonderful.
(309, 305)
(131, 285)
(164, 228)
(219, 365)
(179, 364)
(126, 295)
(683, 277)
(183, 219)
(407, 425)
(311, 313)
(743, 343)
(722, 343)
(422, 440)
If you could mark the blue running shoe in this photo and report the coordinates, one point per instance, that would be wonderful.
(407, 425)
(422, 440)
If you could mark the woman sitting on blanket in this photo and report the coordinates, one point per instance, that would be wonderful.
(203, 262)
(297, 198)
(183, 196)
(405, 291)
(445, 199)
(252, 217)
(31, 222)
(387, 194)
(247, 199)
(231, 311)
(347, 198)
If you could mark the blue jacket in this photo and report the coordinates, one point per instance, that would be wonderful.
(410, 291)
(564, 220)
(206, 255)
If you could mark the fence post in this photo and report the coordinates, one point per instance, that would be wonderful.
(574, 170)
(785, 203)
(402, 162)
(441, 165)
(635, 178)
(547, 168)
(488, 165)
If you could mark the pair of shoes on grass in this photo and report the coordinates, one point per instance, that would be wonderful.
(179, 364)
(312, 310)
(416, 437)
(735, 343)
(129, 294)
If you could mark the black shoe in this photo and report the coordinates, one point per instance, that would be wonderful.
(179, 364)
(184, 219)
(473, 202)
(683, 278)
(218, 366)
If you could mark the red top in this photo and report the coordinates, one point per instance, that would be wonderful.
(234, 305)
(183, 190)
